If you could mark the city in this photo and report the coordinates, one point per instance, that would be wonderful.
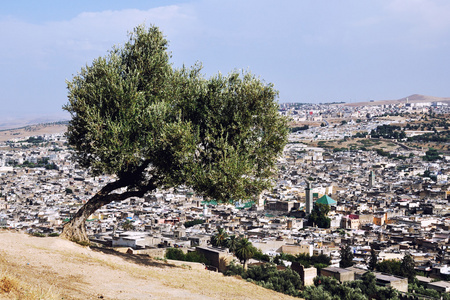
(386, 190)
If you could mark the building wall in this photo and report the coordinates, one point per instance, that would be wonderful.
(379, 220)
(297, 249)
(438, 286)
(217, 258)
(306, 274)
(400, 285)
(366, 219)
(339, 275)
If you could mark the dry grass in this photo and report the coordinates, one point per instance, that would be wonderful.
(52, 268)
(7, 284)
(12, 287)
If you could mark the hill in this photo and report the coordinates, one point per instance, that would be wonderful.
(53, 268)
(32, 130)
(416, 98)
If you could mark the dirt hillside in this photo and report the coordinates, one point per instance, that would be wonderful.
(32, 130)
(53, 268)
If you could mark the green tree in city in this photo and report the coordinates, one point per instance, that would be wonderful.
(220, 238)
(390, 266)
(346, 257)
(319, 217)
(232, 243)
(432, 155)
(369, 284)
(407, 267)
(194, 222)
(244, 251)
(175, 254)
(128, 225)
(178, 254)
(373, 260)
(150, 126)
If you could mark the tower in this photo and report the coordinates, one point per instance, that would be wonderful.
(371, 179)
(309, 197)
(261, 200)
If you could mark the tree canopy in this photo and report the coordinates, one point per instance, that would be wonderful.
(244, 251)
(346, 257)
(220, 238)
(151, 126)
(373, 260)
(407, 267)
(318, 216)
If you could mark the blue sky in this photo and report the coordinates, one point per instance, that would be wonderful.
(312, 51)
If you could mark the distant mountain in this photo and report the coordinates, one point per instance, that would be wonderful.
(415, 98)
(422, 98)
(11, 123)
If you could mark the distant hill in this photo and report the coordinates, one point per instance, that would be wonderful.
(14, 123)
(33, 130)
(415, 98)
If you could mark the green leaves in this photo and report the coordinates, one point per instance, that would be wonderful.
(239, 132)
(136, 117)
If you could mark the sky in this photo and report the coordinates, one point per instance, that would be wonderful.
(311, 51)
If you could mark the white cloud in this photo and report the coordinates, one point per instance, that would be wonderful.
(88, 35)
(424, 17)
(40, 56)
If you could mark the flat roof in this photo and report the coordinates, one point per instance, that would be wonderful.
(444, 284)
(336, 270)
(387, 277)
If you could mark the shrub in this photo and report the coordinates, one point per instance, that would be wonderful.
(196, 257)
(175, 253)
(38, 234)
(267, 275)
(178, 254)
(193, 222)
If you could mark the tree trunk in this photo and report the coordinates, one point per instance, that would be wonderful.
(75, 230)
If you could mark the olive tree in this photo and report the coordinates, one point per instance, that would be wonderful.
(149, 126)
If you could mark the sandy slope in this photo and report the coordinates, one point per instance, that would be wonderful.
(66, 270)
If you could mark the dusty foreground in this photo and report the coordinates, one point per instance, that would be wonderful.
(53, 268)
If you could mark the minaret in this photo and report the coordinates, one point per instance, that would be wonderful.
(260, 200)
(371, 179)
(309, 197)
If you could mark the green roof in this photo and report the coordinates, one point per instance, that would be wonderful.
(211, 202)
(325, 199)
(240, 205)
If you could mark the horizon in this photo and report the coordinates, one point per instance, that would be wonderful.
(312, 52)
(19, 123)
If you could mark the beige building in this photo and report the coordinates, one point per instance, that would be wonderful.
(306, 274)
(396, 282)
(339, 273)
(297, 249)
(217, 257)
